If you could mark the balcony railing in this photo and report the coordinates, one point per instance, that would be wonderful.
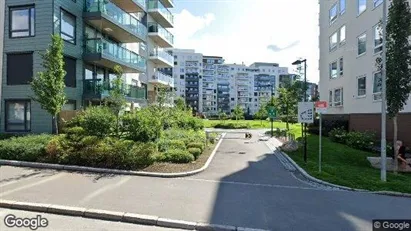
(156, 4)
(157, 28)
(116, 14)
(161, 53)
(115, 51)
(164, 78)
(98, 88)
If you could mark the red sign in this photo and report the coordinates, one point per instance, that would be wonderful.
(321, 104)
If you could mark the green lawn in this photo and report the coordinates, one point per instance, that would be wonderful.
(345, 166)
(252, 123)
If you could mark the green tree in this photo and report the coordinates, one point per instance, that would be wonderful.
(238, 112)
(398, 62)
(180, 103)
(287, 100)
(262, 114)
(222, 115)
(116, 100)
(48, 86)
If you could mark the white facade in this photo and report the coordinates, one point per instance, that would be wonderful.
(349, 46)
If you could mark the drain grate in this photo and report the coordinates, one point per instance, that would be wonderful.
(242, 153)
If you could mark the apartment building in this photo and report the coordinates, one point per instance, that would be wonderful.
(2, 7)
(350, 42)
(210, 64)
(98, 35)
(188, 74)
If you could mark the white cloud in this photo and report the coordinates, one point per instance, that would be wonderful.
(246, 35)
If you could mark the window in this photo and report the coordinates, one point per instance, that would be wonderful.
(362, 6)
(330, 99)
(68, 27)
(333, 41)
(22, 23)
(361, 86)
(333, 13)
(342, 6)
(341, 62)
(377, 38)
(342, 34)
(70, 68)
(338, 97)
(18, 115)
(377, 2)
(362, 44)
(181, 76)
(17, 75)
(182, 70)
(377, 86)
(333, 70)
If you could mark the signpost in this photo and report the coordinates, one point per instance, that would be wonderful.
(271, 114)
(305, 116)
(320, 107)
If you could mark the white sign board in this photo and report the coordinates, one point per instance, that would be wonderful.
(306, 112)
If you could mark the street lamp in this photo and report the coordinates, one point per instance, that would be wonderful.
(383, 94)
(304, 132)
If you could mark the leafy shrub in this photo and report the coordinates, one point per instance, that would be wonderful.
(187, 136)
(164, 145)
(141, 126)
(183, 119)
(178, 156)
(212, 137)
(5, 136)
(141, 155)
(96, 121)
(277, 132)
(232, 125)
(196, 152)
(196, 145)
(25, 148)
(338, 135)
(291, 119)
(360, 140)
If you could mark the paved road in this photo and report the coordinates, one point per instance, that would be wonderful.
(245, 185)
(68, 223)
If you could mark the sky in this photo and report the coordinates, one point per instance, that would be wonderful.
(279, 31)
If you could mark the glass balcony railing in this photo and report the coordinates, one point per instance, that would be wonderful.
(157, 28)
(115, 51)
(156, 4)
(164, 78)
(99, 88)
(116, 14)
(162, 54)
(141, 2)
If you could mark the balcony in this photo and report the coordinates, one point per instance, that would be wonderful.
(160, 35)
(168, 3)
(112, 20)
(131, 6)
(162, 79)
(160, 13)
(161, 57)
(107, 54)
(242, 89)
(98, 89)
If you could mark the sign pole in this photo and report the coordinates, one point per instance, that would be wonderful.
(320, 147)
(272, 129)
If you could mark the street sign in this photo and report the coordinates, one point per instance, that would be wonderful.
(306, 112)
(271, 112)
(321, 107)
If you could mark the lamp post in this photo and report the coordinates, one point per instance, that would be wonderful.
(304, 133)
(383, 94)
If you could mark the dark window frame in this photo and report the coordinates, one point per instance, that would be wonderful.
(75, 26)
(8, 69)
(22, 7)
(26, 108)
(75, 71)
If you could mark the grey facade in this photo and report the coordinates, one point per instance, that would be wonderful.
(101, 41)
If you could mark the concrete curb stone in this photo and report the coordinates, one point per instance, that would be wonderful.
(104, 214)
(66, 210)
(170, 223)
(140, 219)
(211, 227)
(112, 171)
(309, 177)
(32, 206)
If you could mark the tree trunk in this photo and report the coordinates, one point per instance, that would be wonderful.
(394, 120)
(286, 119)
(55, 124)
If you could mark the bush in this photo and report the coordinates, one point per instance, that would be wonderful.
(277, 132)
(361, 140)
(96, 121)
(187, 136)
(291, 119)
(164, 145)
(141, 155)
(196, 152)
(178, 156)
(232, 125)
(196, 145)
(328, 125)
(141, 126)
(338, 135)
(25, 148)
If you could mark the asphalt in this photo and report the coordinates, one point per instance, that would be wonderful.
(245, 185)
(67, 223)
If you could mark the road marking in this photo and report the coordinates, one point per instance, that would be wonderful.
(32, 185)
(251, 184)
(104, 189)
(22, 178)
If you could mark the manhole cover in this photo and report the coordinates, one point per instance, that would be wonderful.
(241, 153)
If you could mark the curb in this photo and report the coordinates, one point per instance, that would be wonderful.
(316, 180)
(119, 216)
(112, 171)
